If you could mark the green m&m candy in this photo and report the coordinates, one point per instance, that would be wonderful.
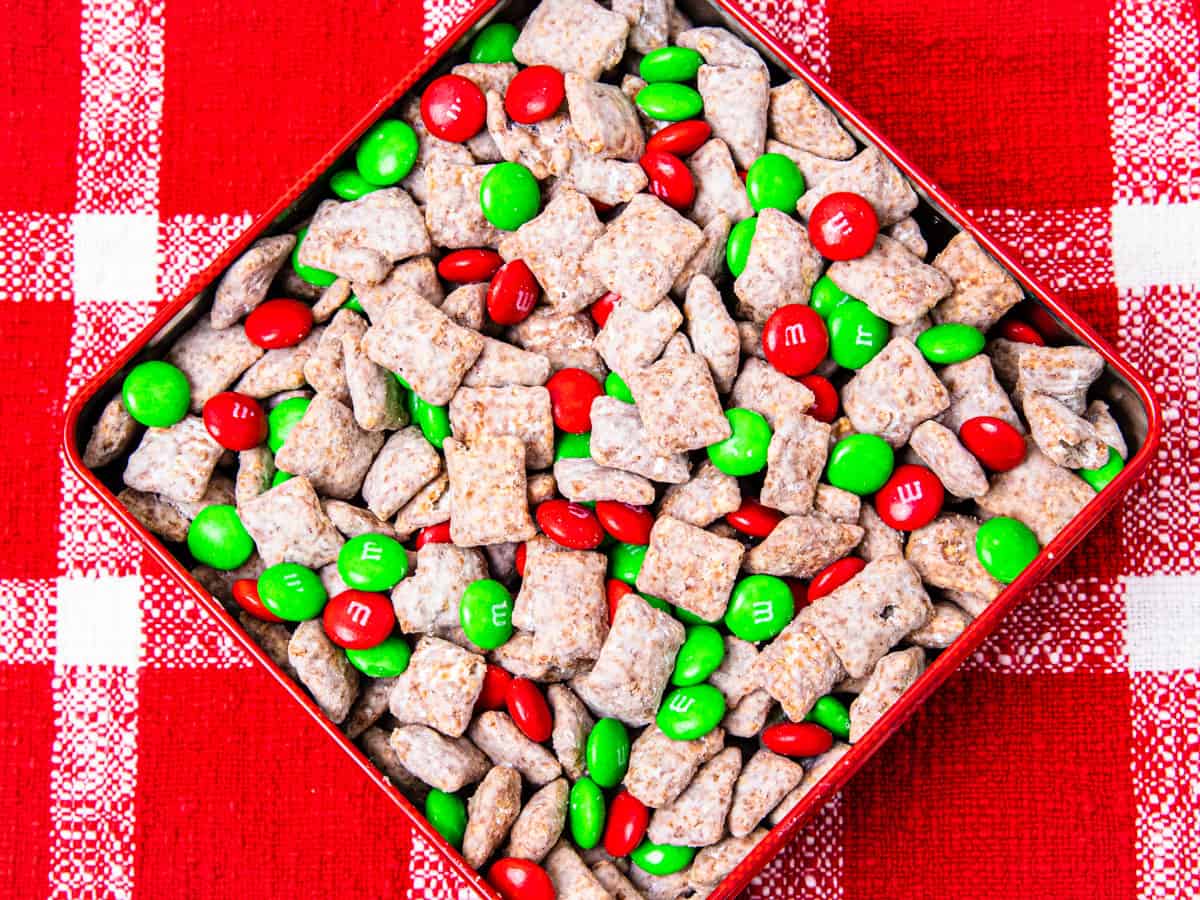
(495, 43)
(217, 537)
(1100, 478)
(950, 342)
(827, 296)
(625, 562)
(737, 248)
(372, 562)
(831, 714)
(670, 64)
(658, 603)
(691, 712)
(280, 477)
(486, 613)
(856, 335)
(774, 182)
(156, 393)
(760, 607)
(448, 815)
(385, 660)
(607, 752)
(1005, 546)
(662, 859)
(586, 813)
(349, 185)
(354, 306)
(509, 195)
(283, 418)
(387, 152)
(745, 451)
(861, 463)
(434, 421)
(319, 277)
(701, 654)
(573, 446)
(686, 616)
(669, 102)
(292, 592)
(615, 386)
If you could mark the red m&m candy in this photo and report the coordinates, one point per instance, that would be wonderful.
(434, 534)
(245, 592)
(994, 442)
(681, 138)
(833, 576)
(520, 879)
(624, 521)
(1020, 332)
(843, 226)
(235, 421)
(911, 498)
(670, 180)
(534, 94)
(279, 323)
(614, 592)
(519, 560)
(795, 339)
(754, 519)
(628, 818)
(529, 709)
(571, 394)
(603, 308)
(453, 108)
(569, 524)
(358, 620)
(464, 266)
(512, 293)
(797, 739)
(825, 404)
(494, 693)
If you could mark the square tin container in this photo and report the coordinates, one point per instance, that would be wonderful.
(1127, 392)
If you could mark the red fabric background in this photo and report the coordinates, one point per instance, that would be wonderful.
(1062, 762)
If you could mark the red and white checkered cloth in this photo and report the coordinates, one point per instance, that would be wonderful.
(143, 756)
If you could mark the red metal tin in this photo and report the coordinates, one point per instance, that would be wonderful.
(1127, 391)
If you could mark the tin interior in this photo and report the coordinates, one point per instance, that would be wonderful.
(939, 223)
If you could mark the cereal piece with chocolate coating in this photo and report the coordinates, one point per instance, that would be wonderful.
(708, 258)
(820, 767)
(620, 441)
(649, 20)
(325, 369)
(944, 627)
(177, 462)
(633, 338)
(453, 214)
(714, 863)
(564, 339)
(582, 480)
(374, 393)
(448, 764)
(573, 36)
(245, 284)
(416, 276)
(604, 119)
(690, 567)
(220, 491)
(705, 498)
(289, 525)
(500, 364)
(719, 190)
(749, 716)
(570, 875)
(893, 282)
(1005, 356)
(562, 601)
(737, 676)
(866, 616)
(798, 667)
(495, 734)
(873, 177)
(660, 768)
(439, 688)
(983, 292)
(488, 499)
(1106, 427)
(362, 239)
(353, 521)
(836, 504)
(554, 244)
(112, 435)
(974, 391)
(801, 546)
(782, 267)
(466, 305)
(522, 412)
(1042, 495)
(369, 706)
(329, 448)
(332, 299)
(769, 392)
(795, 460)
(642, 251)
(212, 360)
(540, 487)
(614, 880)
(891, 677)
(424, 346)
(1067, 439)
(678, 404)
(375, 744)
(908, 233)
(954, 465)
(713, 333)
(545, 148)
(219, 582)
(322, 667)
(798, 118)
(696, 818)
(750, 336)
(894, 393)
(1064, 373)
(605, 180)
(720, 48)
(488, 76)
(521, 656)
(427, 601)
(541, 822)
(271, 637)
(281, 369)
(156, 513)
(634, 664)
(572, 725)
(765, 780)
(429, 506)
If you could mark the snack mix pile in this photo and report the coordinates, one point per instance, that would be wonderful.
(607, 458)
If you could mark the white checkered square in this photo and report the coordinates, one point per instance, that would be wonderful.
(116, 256)
(1162, 629)
(1156, 245)
(98, 621)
